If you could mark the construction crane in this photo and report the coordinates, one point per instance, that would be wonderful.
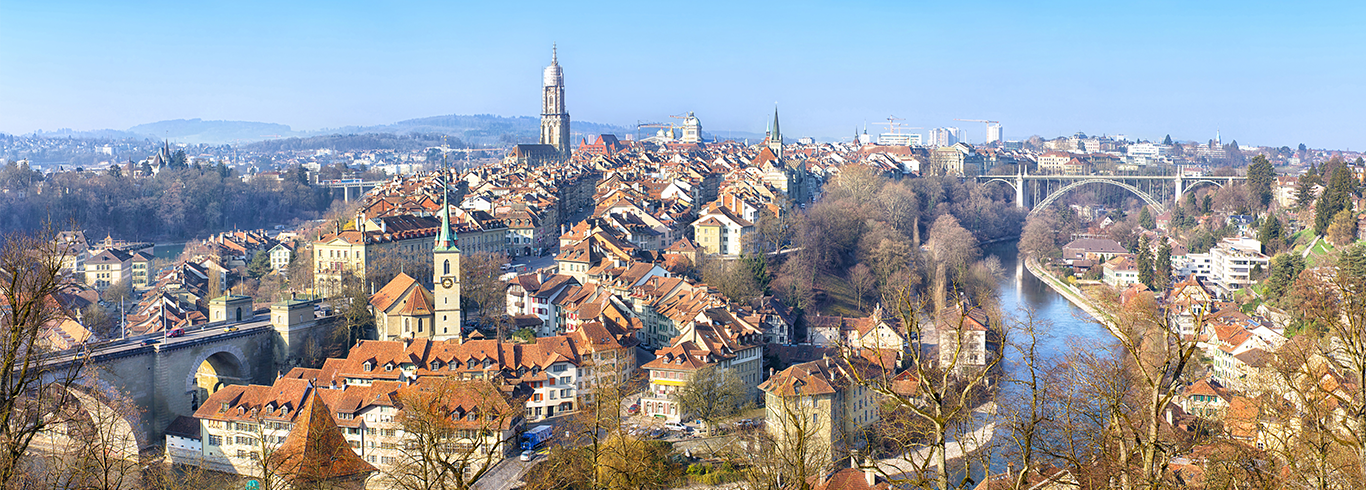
(993, 128)
(893, 126)
(468, 151)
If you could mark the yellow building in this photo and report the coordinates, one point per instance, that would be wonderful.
(819, 404)
(345, 254)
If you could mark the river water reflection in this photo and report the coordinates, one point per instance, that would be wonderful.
(1020, 290)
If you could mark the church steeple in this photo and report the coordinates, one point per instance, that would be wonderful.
(446, 237)
(775, 136)
(446, 273)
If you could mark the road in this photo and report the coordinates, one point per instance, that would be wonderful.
(507, 474)
(130, 345)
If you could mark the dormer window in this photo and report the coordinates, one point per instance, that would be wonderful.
(389, 367)
(436, 365)
(368, 366)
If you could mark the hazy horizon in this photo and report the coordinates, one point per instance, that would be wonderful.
(1258, 73)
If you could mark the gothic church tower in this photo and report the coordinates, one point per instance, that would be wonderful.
(554, 117)
(446, 272)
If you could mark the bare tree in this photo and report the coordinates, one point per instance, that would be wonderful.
(95, 447)
(479, 283)
(795, 457)
(862, 280)
(601, 454)
(711, 394)
(456, 431)
(36, 382)
(930, 403)
(1139, 387)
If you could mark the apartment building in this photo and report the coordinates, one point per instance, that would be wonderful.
(735, 348)
(820, 402)
(107, 268)
(345, 254)
(718, 230)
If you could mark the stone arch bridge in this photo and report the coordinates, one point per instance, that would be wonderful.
(165, 377)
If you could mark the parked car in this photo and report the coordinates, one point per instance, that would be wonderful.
(676, 427)
(633, 409)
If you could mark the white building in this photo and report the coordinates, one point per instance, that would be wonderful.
(1227, 266)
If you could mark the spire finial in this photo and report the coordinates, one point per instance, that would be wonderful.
(554, 54)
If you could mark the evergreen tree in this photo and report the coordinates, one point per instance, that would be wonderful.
(1304, 191)
(1145, 263)
(1323, 213)
(1271, 234)
(1337, 196)
(1261, 178)
(1284, 269)
(1168, 140)
(1145, 219)
(1163, 268)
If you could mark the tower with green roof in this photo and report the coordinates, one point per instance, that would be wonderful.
(446, 272)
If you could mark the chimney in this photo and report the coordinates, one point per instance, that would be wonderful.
(383, 226)
(869, 475)
(360, 222)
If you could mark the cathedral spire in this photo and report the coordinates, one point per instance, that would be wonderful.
(554, 54)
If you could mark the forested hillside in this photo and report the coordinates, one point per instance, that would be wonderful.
(178, 203)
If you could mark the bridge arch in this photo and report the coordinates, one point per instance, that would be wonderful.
(215, 369)
(1148, 198)
(98, 418)
(1010, 183)
(1198, 183)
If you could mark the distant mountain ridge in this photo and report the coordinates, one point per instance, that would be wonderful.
(474, 130)
(198, 131)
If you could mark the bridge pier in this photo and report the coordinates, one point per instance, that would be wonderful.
(1020, 191)
(1180, 188)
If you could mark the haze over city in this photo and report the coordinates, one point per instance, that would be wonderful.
(1258, 73)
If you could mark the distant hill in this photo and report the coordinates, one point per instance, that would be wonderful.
(98, 134)
(198, 131)
(482, 129)
(479, 130)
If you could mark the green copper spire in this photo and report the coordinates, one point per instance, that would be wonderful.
(445, 238)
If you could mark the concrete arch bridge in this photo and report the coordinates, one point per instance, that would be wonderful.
(1036, 192)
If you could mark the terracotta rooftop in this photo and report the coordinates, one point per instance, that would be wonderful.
(315, 449)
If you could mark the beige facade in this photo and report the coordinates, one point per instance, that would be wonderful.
(818, 404)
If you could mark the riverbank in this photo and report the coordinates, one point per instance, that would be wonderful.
(1073, 295)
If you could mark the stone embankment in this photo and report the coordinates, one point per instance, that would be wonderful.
(1074, 295)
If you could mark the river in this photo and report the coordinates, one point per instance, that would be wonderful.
(1020, 291)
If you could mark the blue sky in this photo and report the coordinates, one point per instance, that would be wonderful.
(1260, 72)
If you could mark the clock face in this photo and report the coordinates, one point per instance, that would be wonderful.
(447, 283)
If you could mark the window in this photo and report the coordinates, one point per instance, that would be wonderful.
(245, 441)
(446, 268)
(215, 440)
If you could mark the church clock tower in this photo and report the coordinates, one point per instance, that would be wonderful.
(554, 117)
(446, 272)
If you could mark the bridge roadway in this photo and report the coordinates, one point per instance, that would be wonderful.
(165, 377)
(118, 348)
